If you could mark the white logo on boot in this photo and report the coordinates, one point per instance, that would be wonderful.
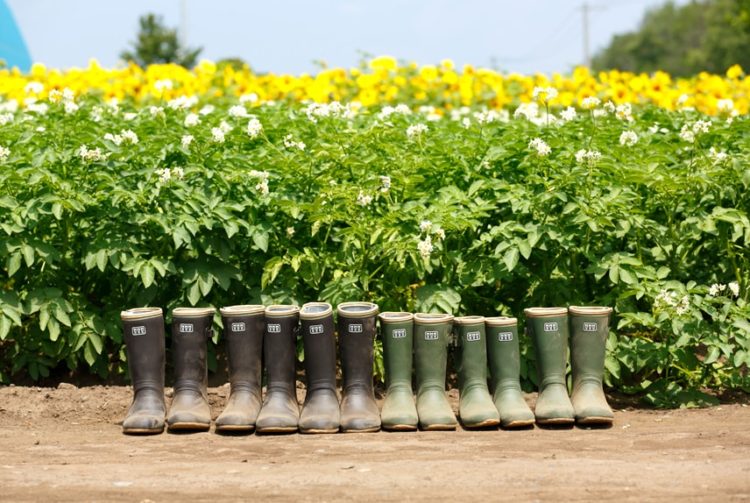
(355, 328)
(274, 328)
(505, 336)
(590, 326)
(550, 326)
(399, 333)
(316, 329)
(431, 335)
(473, 336)
(238, 327)
(186, 328)
(136, 331)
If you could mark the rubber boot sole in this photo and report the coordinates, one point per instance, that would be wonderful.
(317, 431)
(595, 420)
(277, 430)
(188, 427)
(556, 421)
(439, 427)
(518, 424)
(487, 423)
(143, 431)
(233, 428)
(400, 427)
(365, 430)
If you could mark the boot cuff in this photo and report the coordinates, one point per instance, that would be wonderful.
(590, 310)
(501, 321)
(193, 312)
(357, 309)
(432, 318)
(281, 311)
(315, 310)
(541, 312)
(243, 309)
(141, 313)
(469, 320)
(394, 317)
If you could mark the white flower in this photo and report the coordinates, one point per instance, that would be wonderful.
(609, 107)
(686, 134)
(363, 199)
(114, 105)
(716, 289)
(528, 110)
(541, 147)
(487, 116)
(192, 119)
(217, 135)
(290, 231)
(207, 109)
(33, 87)
(186, 140)
(290, 143)
(164, 175)
(425, 247)
(682, 99)
(425, 226)
(628, 138)
(178, 172)
(385, 183)
(4, 153)
(225, 127)
(683, 306)
(163, 85)
(129, 116)
(55, 95)
(10, 106)
(38, 108)
(544, 93)
(41, 129)
(589, 157)
(248, 98)
(624, 112)
(237, 111)
(568, 114)
(254, 128)
(91, 155)
(440, 233)
(718, 157)
(590, 102)
(263, 175)
(466, 122)
(725, 106)
(182, 102)
(599, 112)
(402, 109)
(156, 111)
(735, 288)
(114, 138)
(415, 130)
(129, 136)
(701, 127)
(6, 118)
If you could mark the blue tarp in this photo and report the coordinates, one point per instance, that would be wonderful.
(13, 50)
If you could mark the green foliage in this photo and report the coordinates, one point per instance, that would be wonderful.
(707, 35)
(158, 44)
(472, 221)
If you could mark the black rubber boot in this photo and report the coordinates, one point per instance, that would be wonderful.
(280, 411)
(320, 412)
(143, 330)
(243, 331)
(356, 324)
(191, 329)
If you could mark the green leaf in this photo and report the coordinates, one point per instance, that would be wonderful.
(5, 326)
(194, 293)
(28, 255)
(147, 274)
(261, 240)
(511, 258)
(13, 264)
(271, 270)
(101, 259)
(53, 327)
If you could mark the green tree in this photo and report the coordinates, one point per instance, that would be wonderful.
(157, 43)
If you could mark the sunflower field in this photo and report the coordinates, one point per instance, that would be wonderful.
(420, 188)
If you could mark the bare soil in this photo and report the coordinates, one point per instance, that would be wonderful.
(65, 444)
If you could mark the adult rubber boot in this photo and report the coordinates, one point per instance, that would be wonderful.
(143, 330)
(243, 332)
(320, 412)
(280, 411)
(356, 327)
(431, 338)
(191, 329)
(505, 366)
(475, 407)
(548, 327)
(589, 331)
(397, 332)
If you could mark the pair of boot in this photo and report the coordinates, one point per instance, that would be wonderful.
(550, 329)
(144, 338)
(321, 410)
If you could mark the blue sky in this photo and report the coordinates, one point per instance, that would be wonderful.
(289, 35)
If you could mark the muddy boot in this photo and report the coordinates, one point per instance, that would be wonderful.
(431, 338)
(504, 356)
(191, 329)
(475, 405)
(356, 326)
(549, 328)
(397, 331)
(143, 330)
(589, 331)
(320, 412)
(243, 331)
(280, 411)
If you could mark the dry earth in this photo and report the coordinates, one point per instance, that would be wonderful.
(65, 444)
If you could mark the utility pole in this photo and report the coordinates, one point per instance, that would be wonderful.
(585, 9)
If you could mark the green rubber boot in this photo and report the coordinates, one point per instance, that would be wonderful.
(548, 327)
(191, 329)
(475, 405)
(589, 330)
(431, 337)
(504, 356)
(399, 412)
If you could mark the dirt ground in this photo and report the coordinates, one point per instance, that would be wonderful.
(65, 444)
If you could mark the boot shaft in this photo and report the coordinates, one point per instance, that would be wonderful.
(472, 360)
(503, 351)
(431, 339)
(319, 341)
(143, 333)
(280, 346)
(191, 329)
(548, 327)
(589, 327)
(356, 327)
(397, 334)
(243, 331)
